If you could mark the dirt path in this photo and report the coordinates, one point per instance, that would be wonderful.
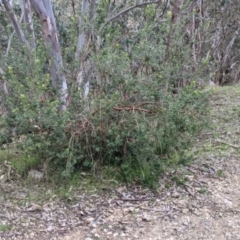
(200, 201)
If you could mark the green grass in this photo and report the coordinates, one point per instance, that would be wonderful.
(5, 228)
(20, 162)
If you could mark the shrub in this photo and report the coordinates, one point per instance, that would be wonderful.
(131, 124)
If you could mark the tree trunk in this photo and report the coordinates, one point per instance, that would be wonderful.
(28, 21)
(177, 5)
(15, 23)
(86, 67)
(44, 11)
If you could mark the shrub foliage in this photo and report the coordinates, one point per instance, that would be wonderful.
(135, 122)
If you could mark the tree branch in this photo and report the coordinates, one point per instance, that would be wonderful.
(127, 10)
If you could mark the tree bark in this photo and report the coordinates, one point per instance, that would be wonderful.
(28, 21)
(85, 68)
(177, 5)
(44, 11)
(15, 23)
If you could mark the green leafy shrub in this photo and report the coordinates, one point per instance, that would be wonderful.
(131, 125)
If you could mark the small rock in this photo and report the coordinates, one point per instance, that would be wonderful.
(186, 221)
(36, 175)
(230, 224)
(94, 225)
(89, 219)
(50, 228)
(121, 189)
(134, 225)
(32, 234)
(228, 235)
(146, 217)
(196, 212)
(206, 223)
(93, 231)
(128, 229)
(228, 202)
(182, 202)
(115, 234)
(185, 211)
(126, 211)
(49, 192)
(211, 83)
(238, 236)
(175, 194)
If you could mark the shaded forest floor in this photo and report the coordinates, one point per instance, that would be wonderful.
(198, 201)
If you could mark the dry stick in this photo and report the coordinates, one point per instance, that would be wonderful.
(132, 109)
(210, 133)
(229, 144)
(134, 199)
(9, 43)
(155, 209)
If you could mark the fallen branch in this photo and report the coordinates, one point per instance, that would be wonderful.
(132, 108)
(155, 209)
(134, 199)
(229, 144)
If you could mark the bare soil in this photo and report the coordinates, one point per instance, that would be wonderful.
(203, 202)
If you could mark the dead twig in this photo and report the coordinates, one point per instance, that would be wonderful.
(134, 199)
(229, 144)
(132, 108)
(154, 209)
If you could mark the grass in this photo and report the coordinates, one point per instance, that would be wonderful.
(5, 228)
(14, 167)
(203, 191)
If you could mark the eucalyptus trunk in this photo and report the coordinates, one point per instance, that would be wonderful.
(44, 11)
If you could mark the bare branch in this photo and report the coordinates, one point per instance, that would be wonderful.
(81, 38)
(127, 10)
(9, 43)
